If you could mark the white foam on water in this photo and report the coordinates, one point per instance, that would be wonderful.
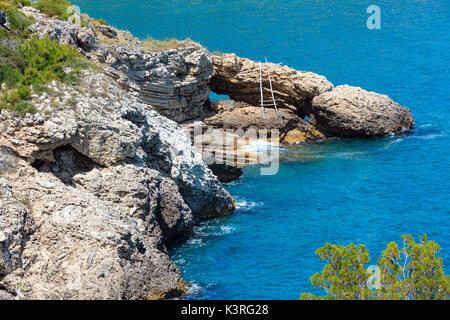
(243, 205)
(194, 289)
(212, 230)
(226, 229)
(430, 136)
(349, 155)
(393, 142)
(260, 147)
(179, 262)
(195, 241)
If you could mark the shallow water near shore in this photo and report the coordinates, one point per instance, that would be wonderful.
(340, 191)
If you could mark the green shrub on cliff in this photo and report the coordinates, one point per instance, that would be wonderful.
(102, 22)
(12, 64)
(17, 20)
(54, 8)
(13, 4)
(36, 61)
(413, 272)
(156, 45)
(46, 60)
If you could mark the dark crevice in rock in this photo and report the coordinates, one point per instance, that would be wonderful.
(68, 162)
(225, 172)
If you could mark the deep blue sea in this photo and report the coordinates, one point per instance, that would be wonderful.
(361, 191)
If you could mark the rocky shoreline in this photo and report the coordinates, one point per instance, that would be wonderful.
(97, 183)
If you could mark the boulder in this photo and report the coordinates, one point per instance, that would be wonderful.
(292, 89)
(348, 111)
(303, 132)
(226, 172)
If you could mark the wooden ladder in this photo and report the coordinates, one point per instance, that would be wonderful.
(265, 103)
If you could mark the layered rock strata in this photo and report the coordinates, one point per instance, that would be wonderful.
(173, 81)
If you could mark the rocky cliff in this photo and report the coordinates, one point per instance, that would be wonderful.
(173, 81)
(93, 186)
(97, 182)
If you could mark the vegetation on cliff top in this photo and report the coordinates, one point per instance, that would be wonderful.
(26, 62)
(54, 8)
(34, 61)
(412, 272)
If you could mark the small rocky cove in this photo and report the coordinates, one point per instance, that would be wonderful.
(105, 175)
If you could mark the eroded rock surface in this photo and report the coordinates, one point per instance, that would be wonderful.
(348, 111)
(174, 81)
(292, 89)
(94, 186)
(13, 229)
(246, 117)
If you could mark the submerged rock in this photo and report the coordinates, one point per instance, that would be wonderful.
(303, 132)
(353, 112)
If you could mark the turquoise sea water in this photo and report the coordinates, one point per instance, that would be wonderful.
(362, 191)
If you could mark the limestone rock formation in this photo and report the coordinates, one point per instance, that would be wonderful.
(247, 117)
(61, 31)
(353, 112)
(83, 247)
(95, 184)
(108, 31)
(230, 114)
(228, 133)
(93, 187)
(174, 81)
(13, 225)
(293, 89)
